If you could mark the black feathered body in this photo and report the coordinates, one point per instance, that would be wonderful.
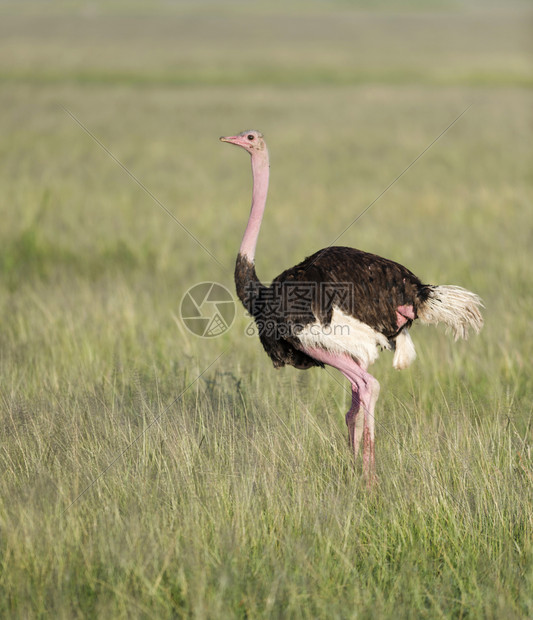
(365, 286)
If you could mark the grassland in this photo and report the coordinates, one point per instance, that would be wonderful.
(148, 473)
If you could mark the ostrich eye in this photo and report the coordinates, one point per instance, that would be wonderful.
(250, 136)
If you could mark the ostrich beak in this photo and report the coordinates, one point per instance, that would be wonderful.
(230, 139)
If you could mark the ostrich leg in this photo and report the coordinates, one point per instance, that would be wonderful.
(369, 404)
(367, 389)
(365, 392)
(353, 421)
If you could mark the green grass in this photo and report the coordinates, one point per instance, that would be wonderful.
(147, 473)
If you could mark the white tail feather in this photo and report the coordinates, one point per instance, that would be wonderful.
(454, 306)
(405, 352)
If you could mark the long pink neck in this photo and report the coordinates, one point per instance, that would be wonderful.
(260, 174)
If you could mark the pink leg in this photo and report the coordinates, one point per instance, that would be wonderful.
(369, 459)
(353, 421)
(365, 392)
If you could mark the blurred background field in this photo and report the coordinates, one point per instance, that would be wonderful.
(240, 499)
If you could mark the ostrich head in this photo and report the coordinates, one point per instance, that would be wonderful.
(250, 140)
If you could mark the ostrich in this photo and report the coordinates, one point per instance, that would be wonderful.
(340, 307)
